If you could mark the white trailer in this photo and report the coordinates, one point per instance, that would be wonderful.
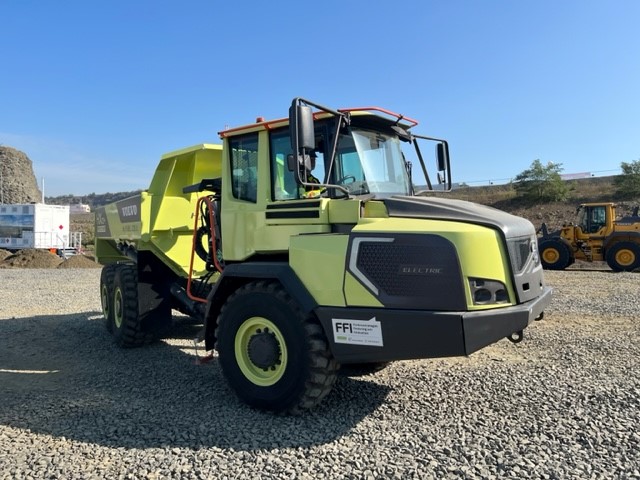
(37, 225)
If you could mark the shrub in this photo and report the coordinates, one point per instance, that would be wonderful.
(541, 183)
(628, 184)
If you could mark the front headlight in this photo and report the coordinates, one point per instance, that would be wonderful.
(488, 292)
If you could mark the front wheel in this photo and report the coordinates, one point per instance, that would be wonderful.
(624, 256)
(554, 255)
(273, 355)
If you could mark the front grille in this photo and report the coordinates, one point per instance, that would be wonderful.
(409, 271)
(399, 269)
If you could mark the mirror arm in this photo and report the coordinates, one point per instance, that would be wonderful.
(448, 183)
(424, 168)
(334, 149)
(342, 117)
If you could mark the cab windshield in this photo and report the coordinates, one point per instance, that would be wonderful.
(369, 162)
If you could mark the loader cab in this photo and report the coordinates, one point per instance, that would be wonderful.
(592, 218)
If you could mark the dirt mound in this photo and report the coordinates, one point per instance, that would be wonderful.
(31, 258)
(79, 261)
(4, 254)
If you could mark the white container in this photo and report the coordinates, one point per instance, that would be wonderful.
(34, 225)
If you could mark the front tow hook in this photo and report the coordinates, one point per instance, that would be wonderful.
(516, 337)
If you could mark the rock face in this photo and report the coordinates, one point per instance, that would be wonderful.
(17, 181)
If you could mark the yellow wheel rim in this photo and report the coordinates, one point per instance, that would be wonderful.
(625, 257)
(550, 255)
(248, 332)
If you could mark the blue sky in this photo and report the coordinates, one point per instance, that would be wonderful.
(96, 92)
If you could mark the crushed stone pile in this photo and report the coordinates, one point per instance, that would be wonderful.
(79, 261)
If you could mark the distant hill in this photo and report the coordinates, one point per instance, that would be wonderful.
(502, 197)
(93, 199)
(554, 214)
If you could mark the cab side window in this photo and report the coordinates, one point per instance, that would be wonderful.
(282, 179)
(598, 219)
(244, 166)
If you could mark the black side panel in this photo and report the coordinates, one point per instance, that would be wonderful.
(277, 270)
(288, 205)
(622, 237)
(293, 214)
(154, 292)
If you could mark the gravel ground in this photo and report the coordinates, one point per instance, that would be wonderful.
(564, 403)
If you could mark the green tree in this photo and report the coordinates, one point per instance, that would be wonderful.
(541, 183)
(628, 184)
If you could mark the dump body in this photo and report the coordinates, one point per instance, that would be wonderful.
(34, 225)
(160, 219)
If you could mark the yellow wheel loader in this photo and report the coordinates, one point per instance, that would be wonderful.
(596, 236)
(302, 246)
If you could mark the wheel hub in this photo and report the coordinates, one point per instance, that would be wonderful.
(625, 257)
(551, 255)
(263, 349)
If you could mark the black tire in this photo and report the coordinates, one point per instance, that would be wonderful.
(623, 257)
(127, 323)
(554, 255)
(362, 369)
(106, 294)
(274, 356)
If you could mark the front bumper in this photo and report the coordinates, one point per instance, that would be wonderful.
(359, 335)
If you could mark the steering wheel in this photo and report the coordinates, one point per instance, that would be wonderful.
(344, 179)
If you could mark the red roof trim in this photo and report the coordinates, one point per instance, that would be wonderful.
(268, 125)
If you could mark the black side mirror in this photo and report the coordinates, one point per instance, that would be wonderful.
(301, 126)
(442, 156)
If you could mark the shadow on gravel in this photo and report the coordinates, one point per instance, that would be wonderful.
(63, 376)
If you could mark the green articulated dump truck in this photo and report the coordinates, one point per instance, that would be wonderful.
(303, 246)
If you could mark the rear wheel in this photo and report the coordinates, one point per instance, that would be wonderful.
(106, 294)
(273, 355)
(127, 323)
(623, 256)
(555, 255)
